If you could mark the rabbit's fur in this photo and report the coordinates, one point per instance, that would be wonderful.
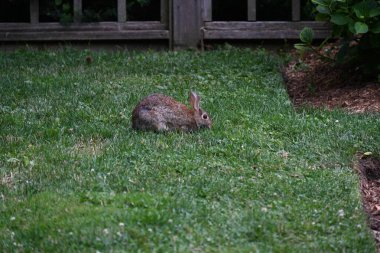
(158, 112)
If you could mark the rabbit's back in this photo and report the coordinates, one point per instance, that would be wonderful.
(159, 113)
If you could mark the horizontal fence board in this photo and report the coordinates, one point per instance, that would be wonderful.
(101, 26)
(263, 30)
(227, 25)
(84, 35)
(274, 34)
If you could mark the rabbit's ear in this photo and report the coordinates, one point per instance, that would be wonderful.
(194, 100)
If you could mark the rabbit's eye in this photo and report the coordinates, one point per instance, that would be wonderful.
(204, 116)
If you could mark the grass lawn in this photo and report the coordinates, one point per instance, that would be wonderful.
(74, 176)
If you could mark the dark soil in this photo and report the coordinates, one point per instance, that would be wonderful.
(368, 168)
(314, 82)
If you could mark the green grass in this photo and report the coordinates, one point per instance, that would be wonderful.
(266, 178)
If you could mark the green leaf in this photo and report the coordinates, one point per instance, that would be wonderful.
(65, 19)
(58, 2)
(374, 12)
(351, 27)
(302, 47)
(307, 35)
(323, 9)
(66, 7)
(340, 19)
(361, 27)
(362, 10)
(320, 2)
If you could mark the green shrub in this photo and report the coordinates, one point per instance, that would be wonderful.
(57, 10)
(357, 24)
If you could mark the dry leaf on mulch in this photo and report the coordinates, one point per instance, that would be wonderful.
(313, 82)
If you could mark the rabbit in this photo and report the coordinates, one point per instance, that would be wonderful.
(161, 113)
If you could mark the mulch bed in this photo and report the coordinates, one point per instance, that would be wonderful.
(317, 83)
(368, 168)
(313, 82)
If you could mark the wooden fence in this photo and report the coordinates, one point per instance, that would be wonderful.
(253, 29)
(120, 30)
(184, 23)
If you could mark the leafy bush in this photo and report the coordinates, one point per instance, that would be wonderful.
(57, 10)
(357, 23)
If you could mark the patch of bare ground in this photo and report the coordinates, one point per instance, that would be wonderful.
(314, 82)
(368, 168)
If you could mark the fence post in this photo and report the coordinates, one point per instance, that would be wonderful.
(77, 6)
(207, 10)
(186, 23)
(166, 17)
(296, 10)
(121, 11)
(164, 9)
(251, 6)
(34, 11)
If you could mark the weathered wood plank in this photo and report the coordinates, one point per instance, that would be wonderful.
(77, 6)
(273, 34)
(186, 23)
(296, 10)
(171, 43)
(207, 10)
(84, 35)
(121, 11)
(101, 26)
(164, 12)
(251, 7)
(263, 30)
(34, 11)
(264, 25)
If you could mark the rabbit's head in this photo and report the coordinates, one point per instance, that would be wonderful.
(201, 117)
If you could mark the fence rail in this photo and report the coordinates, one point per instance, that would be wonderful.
(262, 30)
(183, 23)
(83, 31)
(120, 30)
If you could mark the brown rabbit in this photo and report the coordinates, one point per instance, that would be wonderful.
(158, 112)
